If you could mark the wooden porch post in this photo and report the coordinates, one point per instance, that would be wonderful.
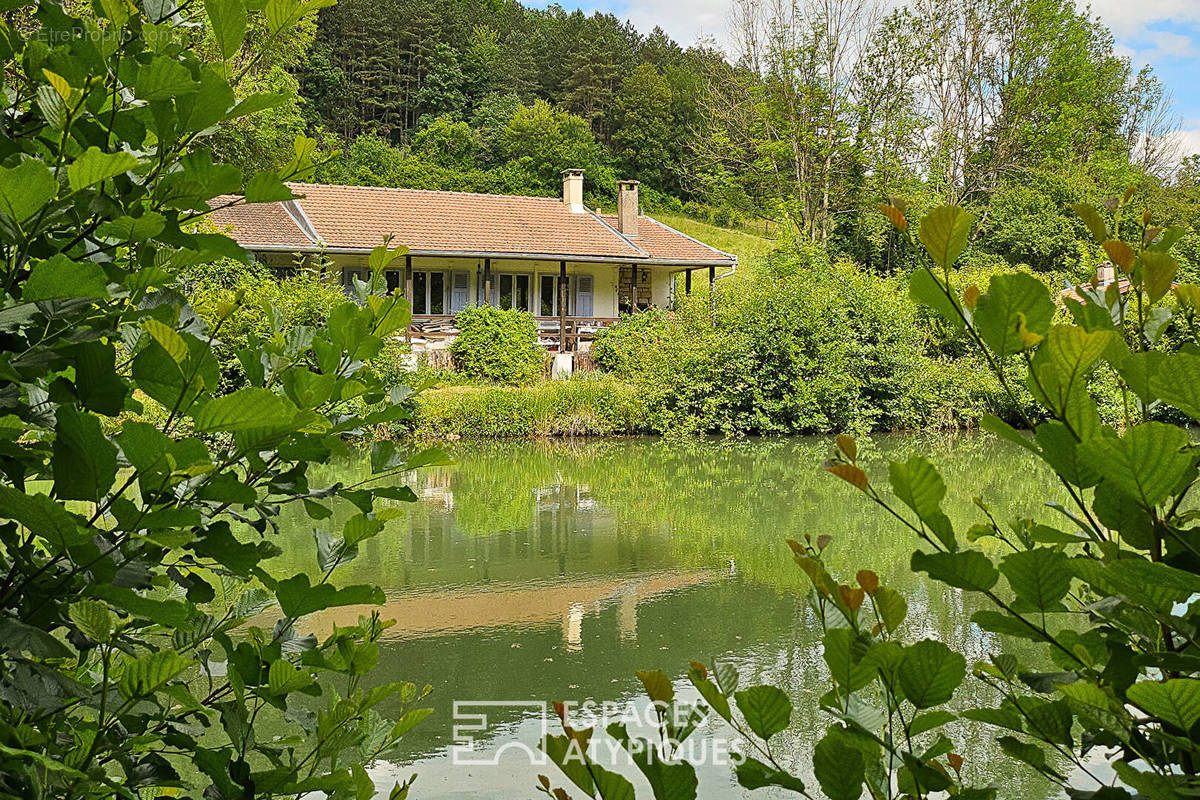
(487, 281)
(633, 298)
(562, 306)
(687, 282)
(408, 293)
(712, 291)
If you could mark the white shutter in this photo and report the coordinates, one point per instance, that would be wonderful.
(583, 295)
(459, 292)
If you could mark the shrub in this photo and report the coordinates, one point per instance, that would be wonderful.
(137, 555)
(496, 344)
(804, 347)
(265, 307)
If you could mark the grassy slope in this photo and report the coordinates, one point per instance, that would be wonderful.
(746, 246)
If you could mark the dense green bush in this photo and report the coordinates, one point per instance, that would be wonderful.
(805, 346)
(497, 344)
(582, 406)
(149, 644)
(265, 307)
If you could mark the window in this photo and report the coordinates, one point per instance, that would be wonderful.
(516, 291)
(393, 280)
(429, 292)
(549, 295)
(579, 295)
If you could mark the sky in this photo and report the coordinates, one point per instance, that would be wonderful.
(1162, 33)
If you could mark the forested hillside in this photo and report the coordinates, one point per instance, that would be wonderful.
(821, 110)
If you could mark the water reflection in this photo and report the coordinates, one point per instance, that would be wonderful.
(538, 571)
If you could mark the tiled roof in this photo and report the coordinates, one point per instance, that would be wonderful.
(663, 242)
(260, 224)
(357, 218)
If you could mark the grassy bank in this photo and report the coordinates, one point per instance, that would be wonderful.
(583, 406)
(745, 245)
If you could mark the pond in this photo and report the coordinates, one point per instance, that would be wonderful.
(537, 571)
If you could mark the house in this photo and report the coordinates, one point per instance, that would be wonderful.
(1104, 279)
(575, 269)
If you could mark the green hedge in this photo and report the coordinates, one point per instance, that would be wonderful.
(583, 406)
(499, 345)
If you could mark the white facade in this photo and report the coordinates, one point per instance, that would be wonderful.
(445, 285)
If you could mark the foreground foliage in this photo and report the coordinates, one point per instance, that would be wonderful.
(146, 641)
(1105, 585)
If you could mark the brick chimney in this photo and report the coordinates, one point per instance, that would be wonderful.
(1106, 274)
(627, 207)
(573, 190)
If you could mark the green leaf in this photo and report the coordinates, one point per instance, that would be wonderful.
(892, 607)
(658, 686)
(42, 516)
(928, 721)
(250, 410)
(930, 672)
(1158, 273)
(25, 189)
(1145, 464)
(844, 653)
(1177, 381)
(163, 79)
(133, 229)
(919, 486)
(60, 278)
(92, 618)
(968, 569)
(669, 780)
(927, 289)
(753, 774)
(1176, 701)
(167, 613)
(146, 675)
(1040, 577)
(1031, 754)
(94, 166)
(228, 20)
(284, 678)
(97, 380)
(1095, 223)
(1013, 302)
(766, 708)
(944, 232)
(168, 338)
(839, 766)
(297, 597)
(1001, 622)
(17, 637)
(84, 461)
(1060, 449)
(265, 187)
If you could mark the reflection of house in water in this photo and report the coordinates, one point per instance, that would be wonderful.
(550, 560)
(560, 602)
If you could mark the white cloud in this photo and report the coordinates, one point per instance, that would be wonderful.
(1189, 140)
(1131, 19)
(688, 20)
(685, 21)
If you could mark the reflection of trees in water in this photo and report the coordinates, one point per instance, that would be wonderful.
(517, 511)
